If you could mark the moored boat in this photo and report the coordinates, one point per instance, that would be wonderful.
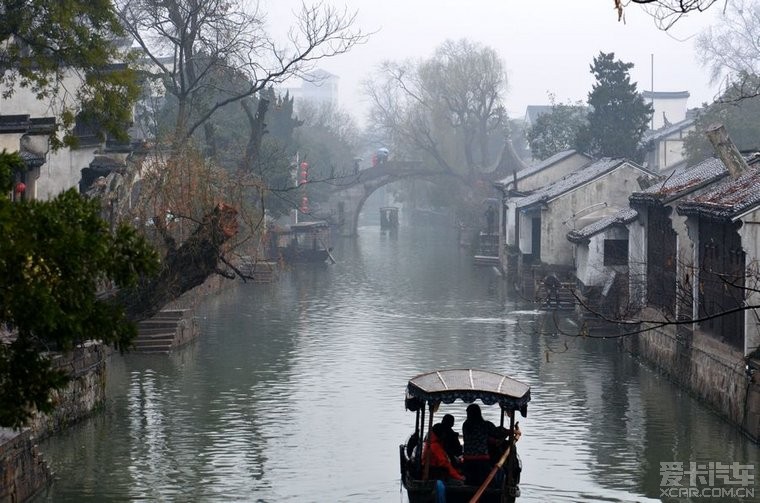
(425, 394)
(303, 242)
(388, 218)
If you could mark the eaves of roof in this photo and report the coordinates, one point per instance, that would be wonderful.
(623, 217)
(575, 180)
(728, 200)
(681, 183)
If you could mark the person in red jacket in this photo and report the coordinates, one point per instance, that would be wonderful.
(434, 453)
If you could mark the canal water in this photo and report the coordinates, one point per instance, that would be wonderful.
(295, 392)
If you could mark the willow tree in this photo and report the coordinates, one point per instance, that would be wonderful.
(448, 112)
(448, 107)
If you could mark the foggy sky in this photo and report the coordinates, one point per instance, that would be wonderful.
(546, 45)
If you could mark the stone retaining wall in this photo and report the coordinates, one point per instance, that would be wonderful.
(85, 393)
(23, 472)
(712, 371)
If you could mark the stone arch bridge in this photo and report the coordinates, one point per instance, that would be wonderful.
(351, 191)
(346, 201)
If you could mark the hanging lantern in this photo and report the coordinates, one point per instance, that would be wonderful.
(304, 173)
(20, 188)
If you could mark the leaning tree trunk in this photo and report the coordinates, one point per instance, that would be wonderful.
(184, 267)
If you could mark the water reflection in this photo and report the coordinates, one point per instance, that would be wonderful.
(295, 391)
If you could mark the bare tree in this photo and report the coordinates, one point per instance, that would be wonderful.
(731, 49)
(194, 45)
(665, 12)
(206, 55)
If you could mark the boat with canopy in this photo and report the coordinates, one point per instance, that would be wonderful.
(302, 242)
(425, 394)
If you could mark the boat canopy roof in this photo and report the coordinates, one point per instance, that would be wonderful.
(468, 385)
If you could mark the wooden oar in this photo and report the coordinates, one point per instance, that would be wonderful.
(516, 434)
(329, 255)
(476, 497)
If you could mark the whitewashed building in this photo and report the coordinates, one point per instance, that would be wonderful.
(523, 183)
(547, 215)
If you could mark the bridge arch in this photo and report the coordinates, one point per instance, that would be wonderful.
(347, 200)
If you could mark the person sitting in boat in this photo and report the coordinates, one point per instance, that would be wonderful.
(450, 440)
(476, 458)
(434, 453)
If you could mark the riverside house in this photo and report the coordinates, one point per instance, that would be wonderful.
(545, 216)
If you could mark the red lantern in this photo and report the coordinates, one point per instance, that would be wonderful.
(304, 174)
(20, 188)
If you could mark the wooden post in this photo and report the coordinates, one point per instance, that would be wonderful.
(420, 439)
(426, 470)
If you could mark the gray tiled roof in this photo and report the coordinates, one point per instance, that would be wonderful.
(729, 198)
(549, 161)
(573, 180)
(622, 217)
(681, 182)
(666, 131)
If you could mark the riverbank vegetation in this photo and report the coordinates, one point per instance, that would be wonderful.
(173, 214)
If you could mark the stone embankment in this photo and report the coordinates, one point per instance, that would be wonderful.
(23, 471)
(710, 370)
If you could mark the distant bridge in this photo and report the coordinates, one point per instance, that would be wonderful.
(351, 191)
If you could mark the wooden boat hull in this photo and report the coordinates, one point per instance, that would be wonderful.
(425, 492)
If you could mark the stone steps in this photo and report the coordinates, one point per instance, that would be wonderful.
(565, 299)
(265, 272)
(262, 271)
(167, 330)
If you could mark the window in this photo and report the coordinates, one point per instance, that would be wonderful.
(615, 252)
